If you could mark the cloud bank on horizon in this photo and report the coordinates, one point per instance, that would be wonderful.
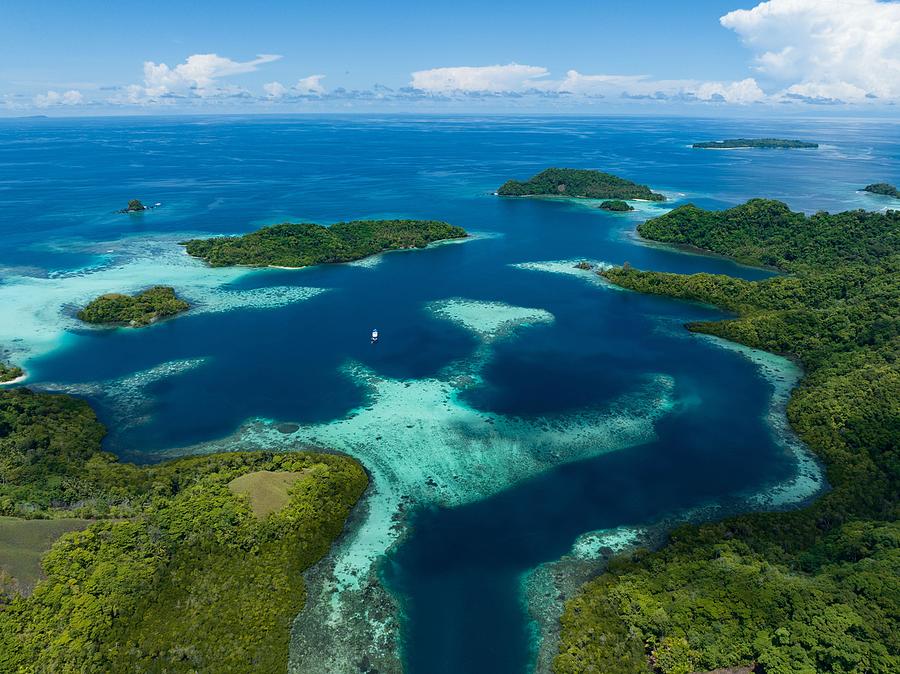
(822, 52)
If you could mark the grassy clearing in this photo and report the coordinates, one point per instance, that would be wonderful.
(24, 542)
(266, 489)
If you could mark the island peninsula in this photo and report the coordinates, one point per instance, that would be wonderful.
(183, 566)
(759, 589)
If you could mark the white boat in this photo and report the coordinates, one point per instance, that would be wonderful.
(374, 336)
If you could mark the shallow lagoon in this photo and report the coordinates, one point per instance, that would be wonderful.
(494, 354)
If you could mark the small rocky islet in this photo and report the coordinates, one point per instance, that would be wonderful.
(883, 189)
(616, 206)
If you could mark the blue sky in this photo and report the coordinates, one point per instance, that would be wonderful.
(92, 57)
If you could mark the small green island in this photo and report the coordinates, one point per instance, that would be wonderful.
(190, 565)
(134, 311)
(616, 205)
(297, 245)
(764, 143)
(814, 589)
(578, 184)
(884, 189)
(9, 372)
(134, 206)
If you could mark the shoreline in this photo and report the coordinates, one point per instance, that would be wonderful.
(686, 249)
(545, 588)
(18, 380)
(431, 244)
(456, 456)
(575, 198)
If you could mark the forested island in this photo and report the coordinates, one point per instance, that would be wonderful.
(578, 183)
(135, 311)
(305, 244)
(616, 205)
(184, 566)
(9, 372)
(765, 143)
(134, 206)
(810, 590)
(885, 189)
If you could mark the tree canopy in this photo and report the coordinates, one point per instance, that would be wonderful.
(579, 183)
(137, 310)
(301, 245)
(885, 189)
(177, 573)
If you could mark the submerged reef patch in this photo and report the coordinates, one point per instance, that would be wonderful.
(544, 589)
(488, 320)
(423, 445)
(35, 312)
(127, 396)
(572, 268)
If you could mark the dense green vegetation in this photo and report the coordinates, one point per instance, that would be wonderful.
(581, 183)
(768, 143)
(886, 189)
(182, 576)
(301, 245)
(616, 205)
(9, 372)
(766, 232)
(806, 591)
(134, 206)
(134, 310)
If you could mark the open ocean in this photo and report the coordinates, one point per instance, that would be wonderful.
(512, 405)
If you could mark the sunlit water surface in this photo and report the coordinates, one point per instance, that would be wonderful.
(515, 403)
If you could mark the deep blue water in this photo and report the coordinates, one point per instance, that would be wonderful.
(457, 572)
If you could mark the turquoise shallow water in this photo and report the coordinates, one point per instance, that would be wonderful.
(511, 404)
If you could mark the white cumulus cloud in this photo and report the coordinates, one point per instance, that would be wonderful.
(310, 85)
(743, 91)
(275, 89)
(643, 86)
(305, 86)
(518, 80)
(199, 75)
(497, 78)
(825, 49)
(51, 98)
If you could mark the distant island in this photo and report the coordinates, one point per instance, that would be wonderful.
(134, 310)
(767, 143)
(885, 189)
(134, 206)
(137, 206)
(304, 244)
(9, 372)
(578, 183)
(616, 205)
